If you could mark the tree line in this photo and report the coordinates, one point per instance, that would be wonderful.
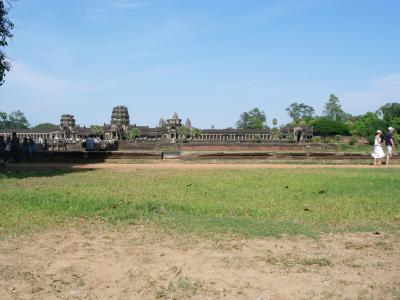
(334, 120)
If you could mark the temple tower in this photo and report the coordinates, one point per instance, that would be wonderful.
(173, 126)
(119, 121)
(67, 126)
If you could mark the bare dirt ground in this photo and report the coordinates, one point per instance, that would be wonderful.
(137, 262)
(190, 166)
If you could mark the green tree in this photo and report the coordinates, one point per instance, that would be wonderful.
(254, 119)
(274, 122)
(196, 132)
(3, 120)
(134, 134)
(390, 113)
(96, 130)
(366, 126)
(183, 132)
(46, 126)
(3, 116)
(300, 111)
(275, 133)
(6, 27)
(17, 120)
(333, 110)
(327, 127)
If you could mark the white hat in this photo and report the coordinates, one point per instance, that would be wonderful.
(379, 131)
(390, 128)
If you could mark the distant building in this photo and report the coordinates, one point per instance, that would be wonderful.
(169, 130)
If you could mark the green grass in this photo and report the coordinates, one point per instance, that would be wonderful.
(240, 202)
(360, 148)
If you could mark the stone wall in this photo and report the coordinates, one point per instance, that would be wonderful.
(242, 147)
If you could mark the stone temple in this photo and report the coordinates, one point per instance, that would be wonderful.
(170, 130)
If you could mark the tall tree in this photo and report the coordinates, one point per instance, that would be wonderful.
(5, 34)
(17, 120)
(4, 123)
(3, 116)
(252, 119)
(300, 111)
(390, 112)
(274, 122)
(333, 109)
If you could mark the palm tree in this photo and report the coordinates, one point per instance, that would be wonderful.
(133, 134)
(96, 130)
(196, 132)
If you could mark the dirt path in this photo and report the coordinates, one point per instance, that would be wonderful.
(190, 166)
(139, 263)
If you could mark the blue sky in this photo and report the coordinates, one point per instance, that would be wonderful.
(209, 60)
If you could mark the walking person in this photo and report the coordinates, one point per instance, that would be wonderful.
(389, 144)
(3, 155)
(378, 153)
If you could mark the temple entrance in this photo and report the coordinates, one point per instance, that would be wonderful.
(298, 135)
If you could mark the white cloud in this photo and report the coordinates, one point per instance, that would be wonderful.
(36, 82)
(378, 92)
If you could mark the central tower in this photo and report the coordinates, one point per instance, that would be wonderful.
(119, 121)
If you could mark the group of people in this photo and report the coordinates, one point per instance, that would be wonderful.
(378, 153)
(11, 149)
(91, 143)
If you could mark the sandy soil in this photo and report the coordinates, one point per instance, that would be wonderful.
(190, 166)
(139, 263)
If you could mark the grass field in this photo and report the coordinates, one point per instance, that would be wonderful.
(242, 202)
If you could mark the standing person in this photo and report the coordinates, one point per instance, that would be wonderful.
(389, 144)
(8, 148)
(3, 156)
(90, 143)
(15, 149)
(25, 148)
(31, 147)
(378, 151)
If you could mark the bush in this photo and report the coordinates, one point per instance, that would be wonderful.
(352, 141)
(396, 139)
(327, 127)
(316, 139)
(257, 139)
(327, 140)
(338, 138)
(290, 138)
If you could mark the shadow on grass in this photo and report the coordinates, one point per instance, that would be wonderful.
(26, 172)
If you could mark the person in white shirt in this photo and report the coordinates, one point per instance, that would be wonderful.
(378, 153)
